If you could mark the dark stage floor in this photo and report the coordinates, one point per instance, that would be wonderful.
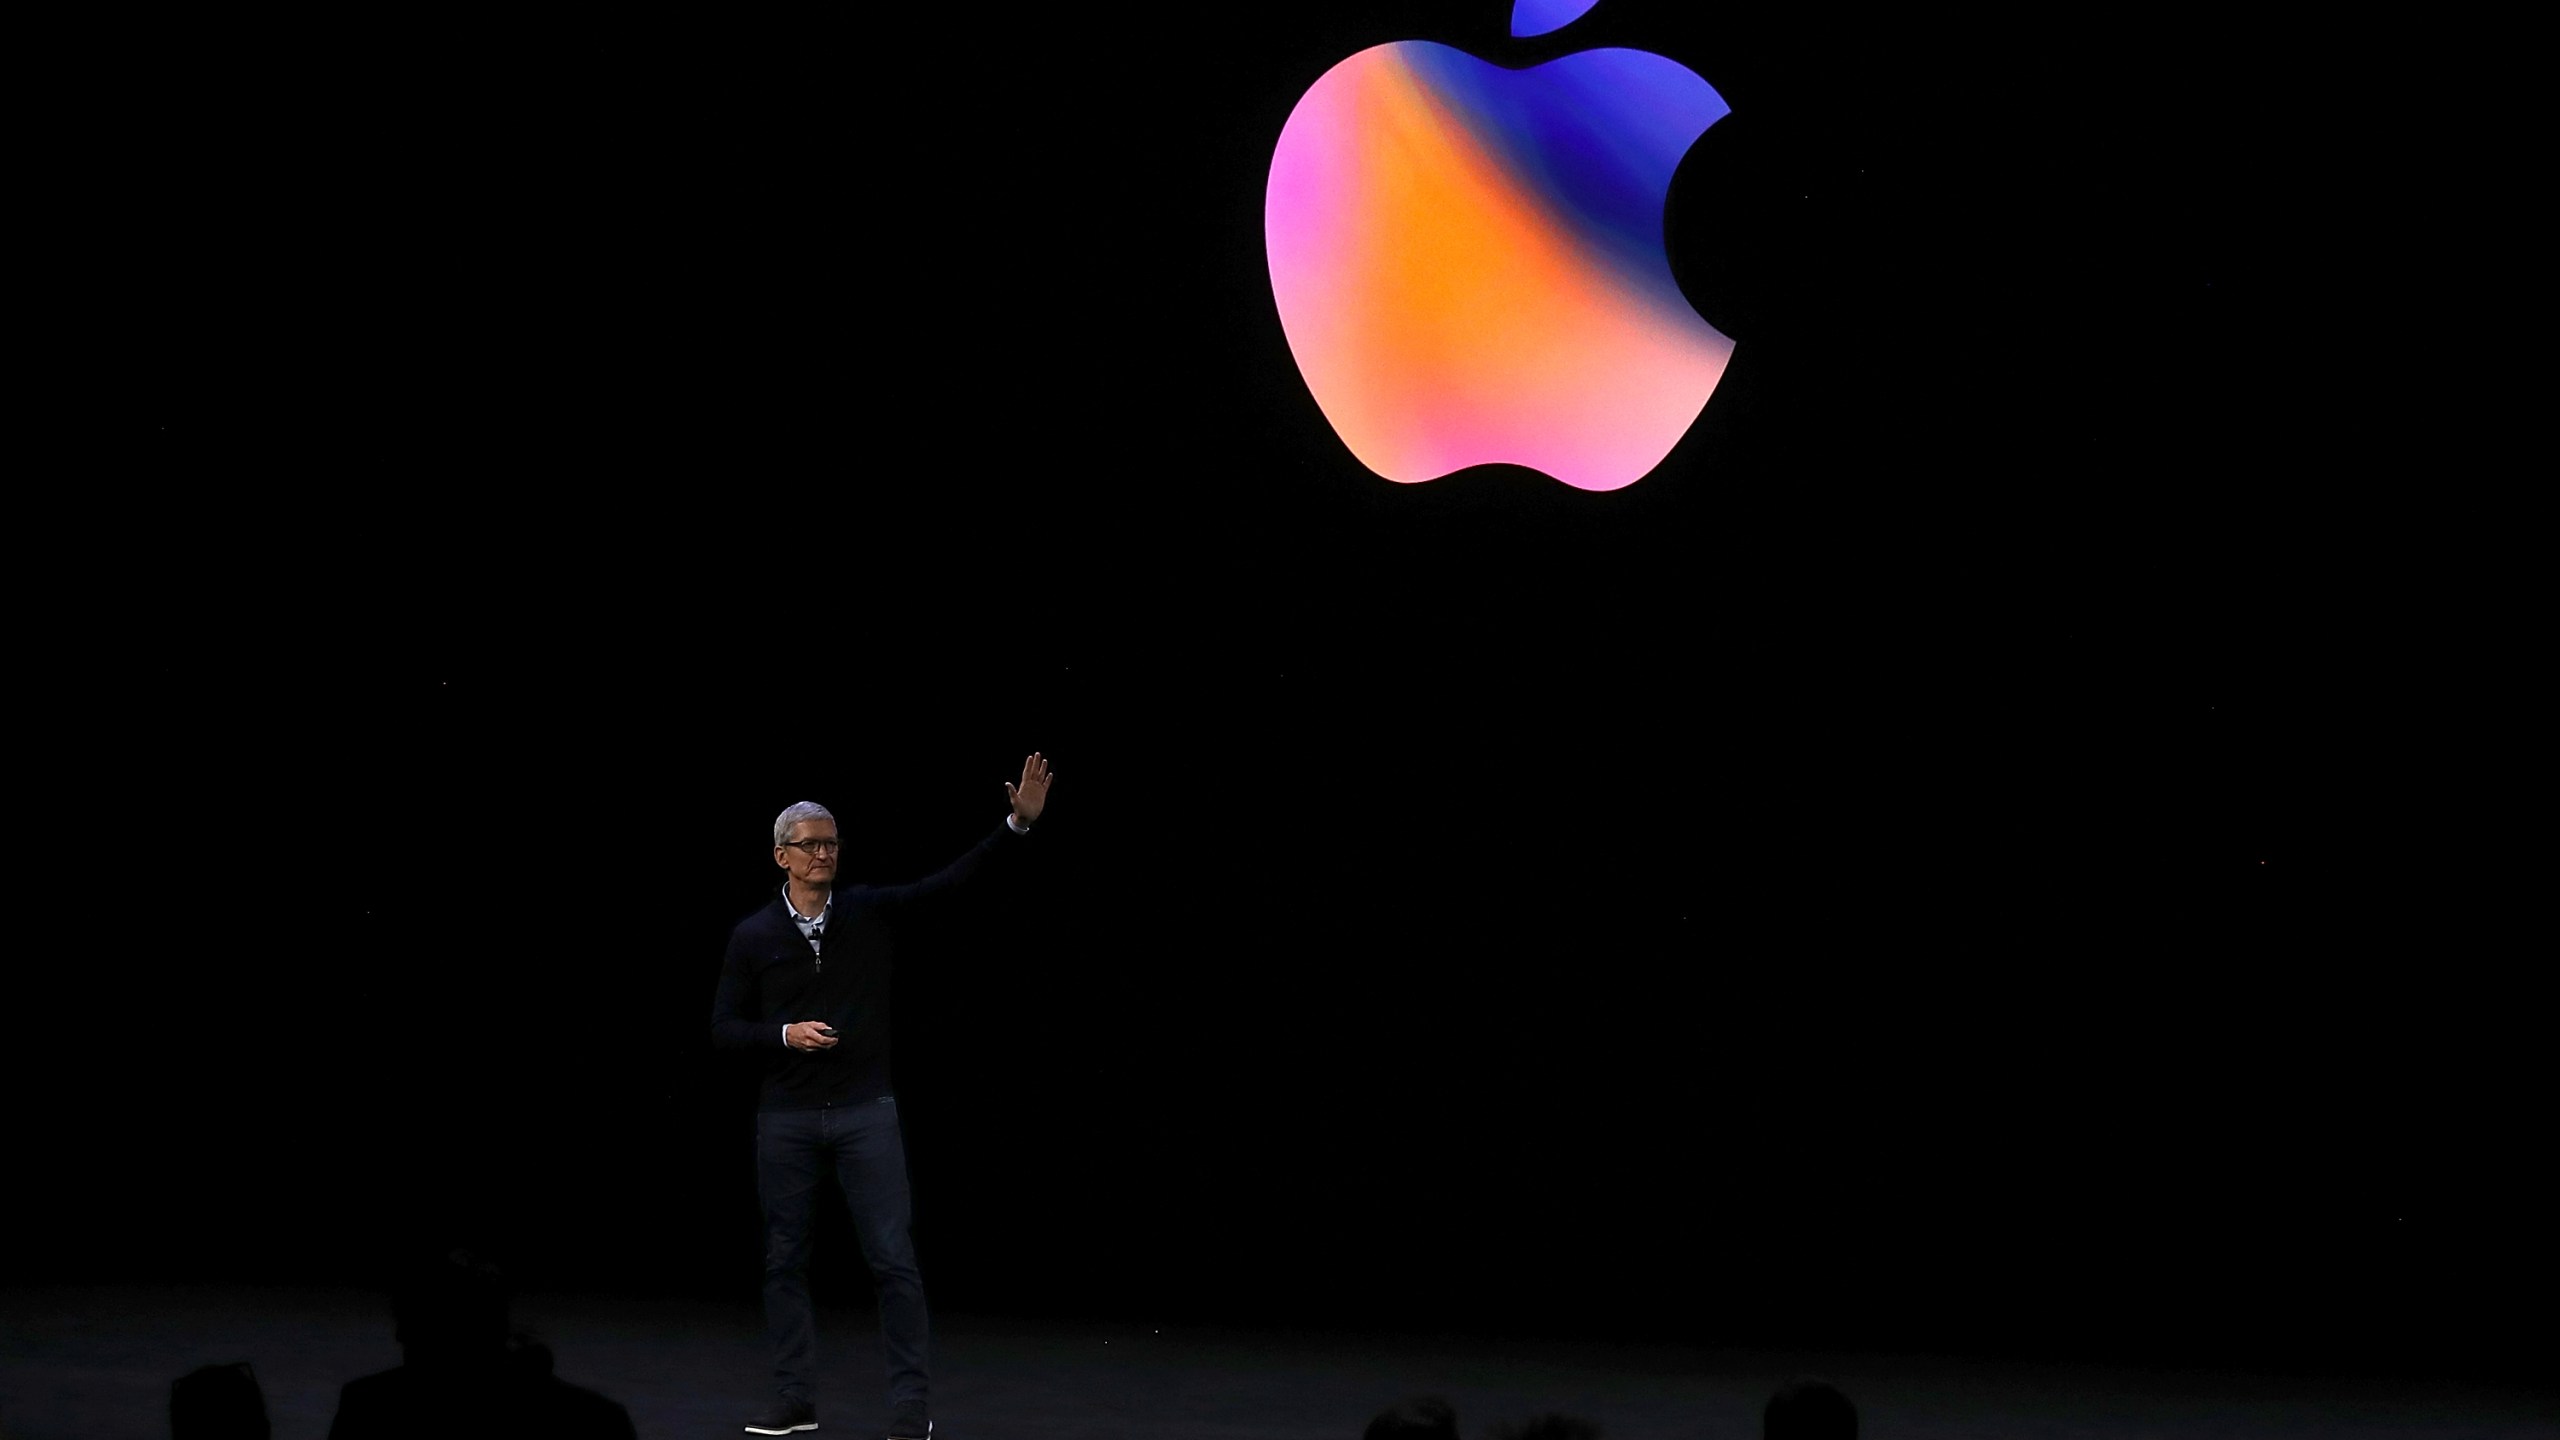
(98, 1361)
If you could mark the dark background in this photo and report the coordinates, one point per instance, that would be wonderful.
(1938, 863)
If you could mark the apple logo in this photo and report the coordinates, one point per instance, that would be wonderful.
(1469, 261)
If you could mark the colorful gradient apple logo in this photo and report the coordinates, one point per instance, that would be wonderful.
(1469, 260)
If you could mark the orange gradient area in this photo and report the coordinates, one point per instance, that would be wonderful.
(1443, 313)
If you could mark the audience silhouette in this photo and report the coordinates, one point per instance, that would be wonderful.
(218, 1402)
(1801, 1409)
(1808, 1409)
(1424, 1417)
(466, 1374)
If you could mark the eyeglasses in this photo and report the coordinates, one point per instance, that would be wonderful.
(815, 847)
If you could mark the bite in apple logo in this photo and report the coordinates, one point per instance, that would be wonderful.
(1469, 261)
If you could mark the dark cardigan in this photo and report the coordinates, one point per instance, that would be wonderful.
(771, 977)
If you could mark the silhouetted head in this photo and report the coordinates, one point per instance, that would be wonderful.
(1424, 1417)
(451, 1306)
(1809, 1410)
(218, 1402)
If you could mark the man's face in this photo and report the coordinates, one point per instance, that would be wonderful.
(810, 853)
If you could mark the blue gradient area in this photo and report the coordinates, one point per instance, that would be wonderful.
(1537, 17)
(1592, 139)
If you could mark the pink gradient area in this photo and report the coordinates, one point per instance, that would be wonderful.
(1440, 315)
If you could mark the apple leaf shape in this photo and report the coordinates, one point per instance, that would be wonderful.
(1469, 261)
(1537, 17)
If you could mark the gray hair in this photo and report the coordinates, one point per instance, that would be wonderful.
(805, 810)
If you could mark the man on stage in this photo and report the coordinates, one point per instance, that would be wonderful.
(806, 978)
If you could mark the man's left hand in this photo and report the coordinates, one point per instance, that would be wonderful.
(1033, 792)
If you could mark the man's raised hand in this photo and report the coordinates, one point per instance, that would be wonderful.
(1033, 792)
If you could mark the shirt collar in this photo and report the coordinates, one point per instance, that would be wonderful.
(805, 921)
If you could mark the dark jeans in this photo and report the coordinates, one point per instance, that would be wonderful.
(794, 1149)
